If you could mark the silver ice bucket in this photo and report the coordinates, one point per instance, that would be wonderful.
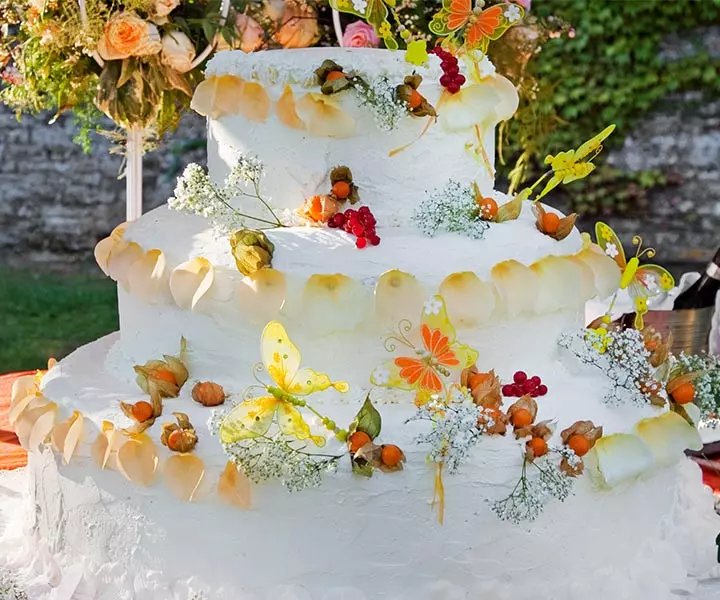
(690, 328)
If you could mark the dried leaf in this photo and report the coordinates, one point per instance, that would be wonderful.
(470, 301)
(190, 281)
(286, 112)
(137, 459)
(510, 210)
(398, 296)
(587, 429)
(183, 474)
(367, 420)
(252, 250)
(323, 117)
(234, 487)
(261, 295)
(564, 225)
(218, 96)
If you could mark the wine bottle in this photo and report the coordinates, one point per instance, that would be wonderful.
(703, 292)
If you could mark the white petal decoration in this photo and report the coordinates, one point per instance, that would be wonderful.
(587, 278)
(121, 259)
(508, 97)
(472, 105)
(190, 281)
(517, 286)
(34, 425)
(219, 96)
(693, 412)
(67, 435)
(285, 108)
(234, 487)
(668, 436)
(323, 116)
(469, 300)
(21, 387)
(105, 447)
(398, 296)
(183, 474)
(558, 285)
(137, 459)
(29, 402)
(261, 295)
(148, 278)
(333, 303)
(605, 269)
(104, 247)
(619, 457)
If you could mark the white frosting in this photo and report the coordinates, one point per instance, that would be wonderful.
(298, 164)
(355, 536)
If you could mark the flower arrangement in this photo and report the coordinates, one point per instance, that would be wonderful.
(137, 62)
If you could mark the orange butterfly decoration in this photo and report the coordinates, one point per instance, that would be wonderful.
(477, 27)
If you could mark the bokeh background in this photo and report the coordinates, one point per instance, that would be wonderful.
(650, 67)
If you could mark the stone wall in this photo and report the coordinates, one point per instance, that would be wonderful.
(56, 202)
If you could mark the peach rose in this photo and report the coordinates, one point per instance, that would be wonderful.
(128, 35)
(164, 7)
(360, 35)
(178, 51)
(298, 25)
(249, 35)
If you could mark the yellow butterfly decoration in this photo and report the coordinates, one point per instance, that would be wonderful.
(641, 281)
(569, 166)
(254, 417)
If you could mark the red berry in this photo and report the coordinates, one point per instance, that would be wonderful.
(528, 387)
(507, 390)
(333, 224)
(374, 240)
(520, 377)
(361, 242)
(453, 88)
(446, 80)
(534, 393)
(542, 390)
(460, 79)
(339, 218)
(364, 210)
(517, 390)
(536, 380)
(358, 230)
(453, 70)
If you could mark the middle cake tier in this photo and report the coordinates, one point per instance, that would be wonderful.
(508, 296)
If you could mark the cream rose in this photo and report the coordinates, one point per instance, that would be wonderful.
(128, 35)
(249, 35)
(178, 51)
(298, 25)
(164, 7)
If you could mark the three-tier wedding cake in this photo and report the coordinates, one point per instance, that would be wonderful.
(345, 309)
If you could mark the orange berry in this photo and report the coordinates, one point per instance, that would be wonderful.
(477, 379)
(341, 190)
(141, 411)
(333, 75)
(684, 393)
(550, 222)
(650, 387)
(415, 99)
(175, 440)
(579, 444)
(651, 345)
(391, 455)
(165, 375)
(538, 446)
(358, 440)
(521, 418)
(488, 209)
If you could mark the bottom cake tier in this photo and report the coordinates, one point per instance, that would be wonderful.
(93, 534)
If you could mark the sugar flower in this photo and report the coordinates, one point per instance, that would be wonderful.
(360, 35)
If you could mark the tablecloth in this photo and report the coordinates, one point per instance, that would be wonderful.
(12, 456)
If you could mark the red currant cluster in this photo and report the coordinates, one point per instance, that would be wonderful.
(452, 80)
(522, 386)
(360, 223)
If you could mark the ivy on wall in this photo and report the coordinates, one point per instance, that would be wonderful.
(614, 62)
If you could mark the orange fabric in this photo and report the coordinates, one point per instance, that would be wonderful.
(12, 456)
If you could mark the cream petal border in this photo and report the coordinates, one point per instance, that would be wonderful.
(190, 281)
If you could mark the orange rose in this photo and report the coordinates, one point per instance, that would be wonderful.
(298, 25)
(128, 35)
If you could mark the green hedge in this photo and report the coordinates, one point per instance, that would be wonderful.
(612, 70)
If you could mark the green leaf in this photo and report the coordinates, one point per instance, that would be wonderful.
(367, 420)
(126, 72)
(365, 469)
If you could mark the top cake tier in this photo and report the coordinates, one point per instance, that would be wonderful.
(269, 104)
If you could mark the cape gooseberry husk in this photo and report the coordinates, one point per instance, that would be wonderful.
(252, 250)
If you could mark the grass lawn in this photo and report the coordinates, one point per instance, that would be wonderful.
(45, 315)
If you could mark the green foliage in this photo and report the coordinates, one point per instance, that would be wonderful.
(609, 68)
(49, 315)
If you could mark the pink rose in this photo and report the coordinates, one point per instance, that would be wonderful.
(360, 35)
(524, 3)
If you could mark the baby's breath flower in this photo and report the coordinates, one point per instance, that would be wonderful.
(451, 208)
(386, 107)
(707, 386)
